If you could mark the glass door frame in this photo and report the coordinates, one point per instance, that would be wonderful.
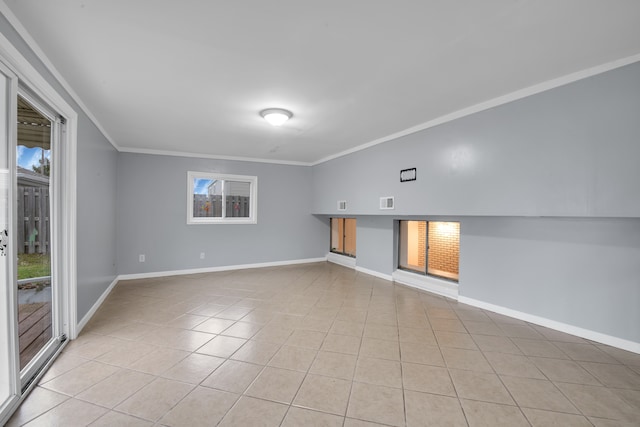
(23, 76)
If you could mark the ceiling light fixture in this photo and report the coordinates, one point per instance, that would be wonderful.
(276, 116)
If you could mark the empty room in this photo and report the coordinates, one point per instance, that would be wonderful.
(288, 213)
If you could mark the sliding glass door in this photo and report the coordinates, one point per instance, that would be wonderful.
(39, 332)
(9, 380)
(34, 285)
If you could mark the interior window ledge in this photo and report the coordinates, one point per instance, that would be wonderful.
(345, 261)
(426, 283)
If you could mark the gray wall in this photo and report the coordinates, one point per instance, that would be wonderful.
(570, 151)
(96, 197)
(582, 272)
(152, 217)
(537, 185)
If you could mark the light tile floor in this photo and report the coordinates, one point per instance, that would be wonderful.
(322, 345)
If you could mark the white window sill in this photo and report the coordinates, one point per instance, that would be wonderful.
(426, 283)
(345, 261)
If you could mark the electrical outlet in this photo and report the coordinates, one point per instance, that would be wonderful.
(201, 255)
(141, 258)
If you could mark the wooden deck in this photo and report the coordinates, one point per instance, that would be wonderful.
(34, 329)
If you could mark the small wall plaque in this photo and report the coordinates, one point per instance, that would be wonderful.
(408, 175)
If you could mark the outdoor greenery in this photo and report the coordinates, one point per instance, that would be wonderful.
(33, 265)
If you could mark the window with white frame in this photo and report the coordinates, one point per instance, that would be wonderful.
(221, 199)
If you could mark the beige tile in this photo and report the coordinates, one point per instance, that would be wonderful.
(315, 324)
(585, 352)
(306, 339)
(116, 388)
(424, 409)
(81, 378)
(552, 335)
(465, 359)
(483, 328)
(341, 344)
(615, 376)
(261, 317)
(214, 325)
(187, 321)
(127, 354)
(539, 418)
(324, 394)
(599, 402)
(538, 394)
(133, 331)
(159, 360)
(455, 340)
(441, 313)
(378, 371)
(539, 348)
(520, 331)
(601, 422)
(278, 385)
(274, 334)
(95, 347)
(417, 335)
(258, 352)
(352, 315)
(481, 386)
(324, 312)
(233, 376)
(382, 332)
(113, 418)
(382, 349)
(155, 399)
(425, 378)
(343, 327)
(222, 346)
(566, 371)
(194, 368)
(39, 401)
(382, 317)
(513, 365)
(202, 407)
(632, 397)
(297, 417)
(377, 404)
(351, 422)
(209, 309)
(496, 343)
(233, 313)
(483, 414)
(448, 325)
(622, 356)
(72, 412)
(252, 412)
(244, 330)
(335, 365)
(63, 363)
(294, 358)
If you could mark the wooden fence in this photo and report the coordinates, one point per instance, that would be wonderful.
(33, 220)
(211, 206)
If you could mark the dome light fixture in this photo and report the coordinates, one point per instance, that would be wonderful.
(276, 116)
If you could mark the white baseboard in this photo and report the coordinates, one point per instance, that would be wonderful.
(83, 322)
(426, 283)
(342, 260)
(216, 269)
(558, 326)
(374, 273)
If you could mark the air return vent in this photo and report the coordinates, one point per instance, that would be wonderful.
(386, 202)
(342, 205)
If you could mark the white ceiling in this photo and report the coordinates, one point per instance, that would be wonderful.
(191, 76)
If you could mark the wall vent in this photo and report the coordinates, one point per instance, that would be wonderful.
(386, 202)
(342, 205)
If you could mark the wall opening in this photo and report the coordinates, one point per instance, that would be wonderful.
(430, 247)
(343, 236)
